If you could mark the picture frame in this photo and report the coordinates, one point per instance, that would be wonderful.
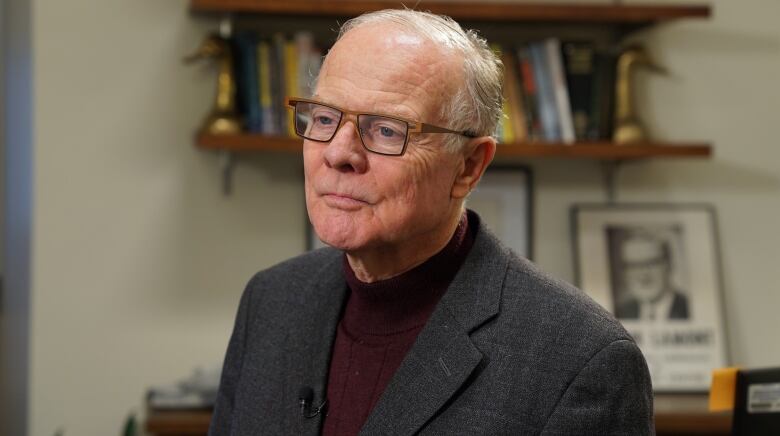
(504, 201)
(657, 268)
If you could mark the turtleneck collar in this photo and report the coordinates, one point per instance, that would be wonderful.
(405, 302)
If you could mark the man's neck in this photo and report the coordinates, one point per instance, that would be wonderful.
(382, 263)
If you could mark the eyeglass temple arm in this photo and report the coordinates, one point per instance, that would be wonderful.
(428, 128)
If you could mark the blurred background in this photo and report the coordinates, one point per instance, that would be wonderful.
(123, 260)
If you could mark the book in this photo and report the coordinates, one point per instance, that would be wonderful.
(505, 132)
(290, 81)
(603, 97)
(269, 118)
(278, 84)
(284, 67)
(308, 63)
(247, 93)
(579, 63)
(528, 92)
(548, 113)
(513, 97)
(552, 47)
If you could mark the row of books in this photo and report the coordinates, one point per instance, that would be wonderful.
(267, 71)
(553, 91)
(557, 91)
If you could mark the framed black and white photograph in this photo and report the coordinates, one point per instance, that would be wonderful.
(503, 199)
(656, 267)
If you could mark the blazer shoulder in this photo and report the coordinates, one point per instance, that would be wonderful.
(301, 266)
(300, 273)
(563, 310)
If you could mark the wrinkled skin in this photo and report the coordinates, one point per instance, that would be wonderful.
(389, 213)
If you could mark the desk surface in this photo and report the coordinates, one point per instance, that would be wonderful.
(688, 414)
(678, 415)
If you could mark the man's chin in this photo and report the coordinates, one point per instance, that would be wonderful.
(346, 238)
(342, 243)
(339, 234)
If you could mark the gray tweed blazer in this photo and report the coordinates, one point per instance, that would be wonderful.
(508, 350)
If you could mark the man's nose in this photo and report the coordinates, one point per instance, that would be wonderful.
(345, 152)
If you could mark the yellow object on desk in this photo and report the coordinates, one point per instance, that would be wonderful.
(723, 389)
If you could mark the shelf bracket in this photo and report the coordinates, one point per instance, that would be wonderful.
(609, 170)
(228, 163)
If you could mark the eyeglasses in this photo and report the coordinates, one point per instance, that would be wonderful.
(379, 133)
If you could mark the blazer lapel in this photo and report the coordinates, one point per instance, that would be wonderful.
(443, 356)
(319, 333)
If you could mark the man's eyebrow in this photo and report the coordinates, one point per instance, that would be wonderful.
(406, 115)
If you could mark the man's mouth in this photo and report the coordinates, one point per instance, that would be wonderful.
(343, 201)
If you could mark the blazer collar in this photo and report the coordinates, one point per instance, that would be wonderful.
(443, 356)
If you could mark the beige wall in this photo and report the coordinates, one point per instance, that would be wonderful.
(2, 143)
(724, 88)
(138, 259)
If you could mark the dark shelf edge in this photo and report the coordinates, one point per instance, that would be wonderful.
(591, 150)
(493, 11)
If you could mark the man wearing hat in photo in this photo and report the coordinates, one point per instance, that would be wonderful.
(648, 292)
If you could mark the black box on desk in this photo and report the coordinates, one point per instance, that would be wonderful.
(757, 403)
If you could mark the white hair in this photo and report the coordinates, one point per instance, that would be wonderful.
(475, 106)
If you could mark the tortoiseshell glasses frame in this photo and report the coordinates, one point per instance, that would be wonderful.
(379, 133)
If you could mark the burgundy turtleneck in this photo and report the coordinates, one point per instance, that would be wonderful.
(380, 323)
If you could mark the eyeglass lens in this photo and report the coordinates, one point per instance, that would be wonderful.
(379, 134)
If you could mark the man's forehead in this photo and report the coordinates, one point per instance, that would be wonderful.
(391, 50)
(393, 64)
(384, 35)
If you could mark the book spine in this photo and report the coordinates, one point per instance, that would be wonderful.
(528, 90)
(513, 97)
(246, 79)
(507, 134)
(278, 85)
(560, 90)
(603, 107)
(579, 62)
(266, 93)
(304, 43)
(291, 80)
(547, 108)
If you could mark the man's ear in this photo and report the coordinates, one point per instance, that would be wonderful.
(477, 155)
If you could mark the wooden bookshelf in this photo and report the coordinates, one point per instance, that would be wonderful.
(589, 150)
(609, 21)
(490, 11)
(688, 414)
(177, 422)
(622, 17)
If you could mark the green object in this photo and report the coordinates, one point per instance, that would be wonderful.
(131, 428)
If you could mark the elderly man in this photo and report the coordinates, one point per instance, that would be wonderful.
(648, 292)
(417, 320)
